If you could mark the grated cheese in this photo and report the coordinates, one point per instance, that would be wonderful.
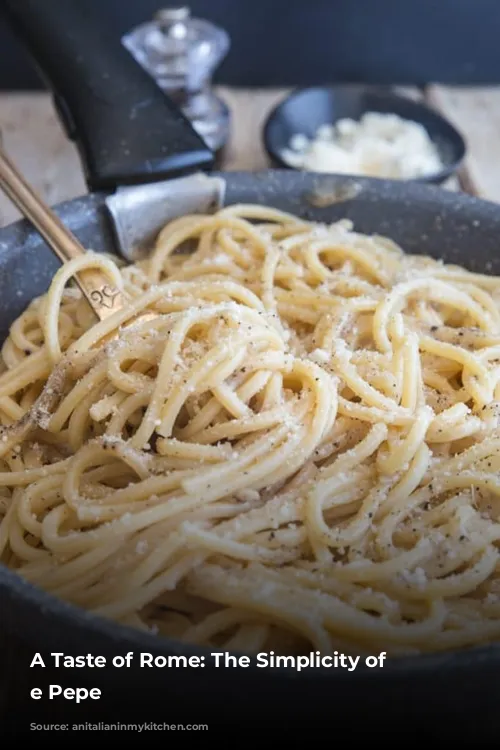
(379, 145)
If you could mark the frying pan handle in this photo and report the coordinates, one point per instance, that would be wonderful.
(126, 129)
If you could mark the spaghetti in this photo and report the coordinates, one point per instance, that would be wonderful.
(302, 450)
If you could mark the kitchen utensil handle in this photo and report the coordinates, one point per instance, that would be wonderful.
(126, 129)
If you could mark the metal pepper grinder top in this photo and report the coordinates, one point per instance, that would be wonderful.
(181, 53)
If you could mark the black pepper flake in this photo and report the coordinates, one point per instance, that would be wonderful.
(153, 440)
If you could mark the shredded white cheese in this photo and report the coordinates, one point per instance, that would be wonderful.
(379, 145)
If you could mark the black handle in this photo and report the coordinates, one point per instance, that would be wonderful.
(127, 130)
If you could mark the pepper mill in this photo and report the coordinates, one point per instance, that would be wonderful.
(181, 53)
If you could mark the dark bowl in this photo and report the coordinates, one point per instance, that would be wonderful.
(306, 110)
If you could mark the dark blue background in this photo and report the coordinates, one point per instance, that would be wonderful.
(302, 42)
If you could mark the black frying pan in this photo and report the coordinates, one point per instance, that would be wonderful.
(440, 696)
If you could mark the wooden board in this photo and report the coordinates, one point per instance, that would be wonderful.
(475, 112)
(35, 140)
(249, 110)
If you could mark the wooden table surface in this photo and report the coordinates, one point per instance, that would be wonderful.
(35, 140)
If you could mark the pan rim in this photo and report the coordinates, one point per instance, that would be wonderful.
(16, 590)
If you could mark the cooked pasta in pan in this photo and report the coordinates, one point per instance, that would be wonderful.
(301, 451)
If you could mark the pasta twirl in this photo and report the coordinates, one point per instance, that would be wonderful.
(302, 450)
